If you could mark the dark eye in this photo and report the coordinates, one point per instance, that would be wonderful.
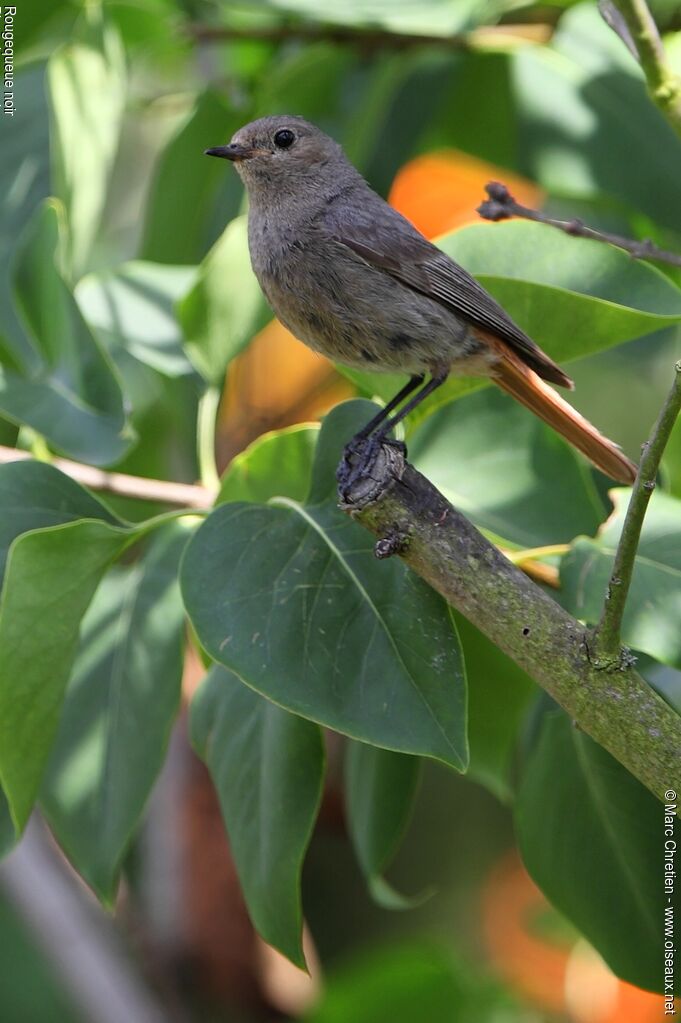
(284, 138)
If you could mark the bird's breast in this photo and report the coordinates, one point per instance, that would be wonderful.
(351, 312)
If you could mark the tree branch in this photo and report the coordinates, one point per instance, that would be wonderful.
(664, 86)
(606, 642)
(490, 36)
(502, 206)
(615, 706)
(185, 495)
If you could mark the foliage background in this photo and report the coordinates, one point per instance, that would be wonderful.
(128, 311)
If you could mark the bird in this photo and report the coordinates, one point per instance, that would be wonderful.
(353, 279)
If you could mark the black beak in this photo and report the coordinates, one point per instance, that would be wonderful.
(232, 152)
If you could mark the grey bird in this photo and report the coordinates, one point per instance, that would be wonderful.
(352, 278)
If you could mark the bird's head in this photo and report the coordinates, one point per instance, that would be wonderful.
(281, 152)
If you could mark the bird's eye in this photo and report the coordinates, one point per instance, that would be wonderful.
(284, 138)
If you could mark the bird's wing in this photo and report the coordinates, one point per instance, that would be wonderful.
(388, 242)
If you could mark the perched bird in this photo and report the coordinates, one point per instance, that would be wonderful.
(354, 280)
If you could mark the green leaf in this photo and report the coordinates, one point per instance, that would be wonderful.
(34, 495)
(226, 307)
(70, 394)
(133, 308)
(591, 837)
(87, 93)
(653, 611)
(608, 129)
(430, 17)
(120, 704)
(179, 232)
(499, 696)
(8, 835)
(50, 579)
(379, 794)
(573, 296)
(509, 472)
(408, 982)
(24, 183)
(291, 599)
(276, 464)
(268, 769)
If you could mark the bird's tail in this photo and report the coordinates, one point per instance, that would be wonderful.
(517, 379)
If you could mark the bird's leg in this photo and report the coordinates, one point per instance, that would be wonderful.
(436, 381)
(376, 432)
(347, 473)
(381, 417)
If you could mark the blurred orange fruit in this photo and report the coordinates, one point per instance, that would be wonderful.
(440, 191)
(540, 956)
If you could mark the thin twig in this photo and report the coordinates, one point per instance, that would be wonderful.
(606, 641)
(371, 38)
(184, 495)
(485, 36)
(664, 86)
(502, 206)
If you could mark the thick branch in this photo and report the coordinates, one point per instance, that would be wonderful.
(607, 640)
(501, 206)
(663, 85)
(184, 495)
(616, 707)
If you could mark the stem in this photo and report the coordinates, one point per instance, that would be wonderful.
(614, 705)
(501, 206)
(186, 495)
(663, 85)
(209, 404)
(607, 642)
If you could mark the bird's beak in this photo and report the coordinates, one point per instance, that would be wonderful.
(234, 152)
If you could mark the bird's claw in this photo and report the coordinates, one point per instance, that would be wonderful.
(358, 458)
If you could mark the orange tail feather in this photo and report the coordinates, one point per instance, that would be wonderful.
(518, 380)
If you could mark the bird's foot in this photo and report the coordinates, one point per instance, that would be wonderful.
(358, 459)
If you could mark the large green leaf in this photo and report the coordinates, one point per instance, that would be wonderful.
(226, 307)
(652, 617)
(607, 137)
(268, 768)
(25, 182)
(430, 17)
(120, 704)
(87, 93)
(61, 541)
(591, 837)
(379, 794)
(178, 232)
(509, 472)
(290, 597)
(499, 696)
(68, 391)
(34, 495)
(50, 579)
(276, 464)
(133, 308)
(573, 296)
